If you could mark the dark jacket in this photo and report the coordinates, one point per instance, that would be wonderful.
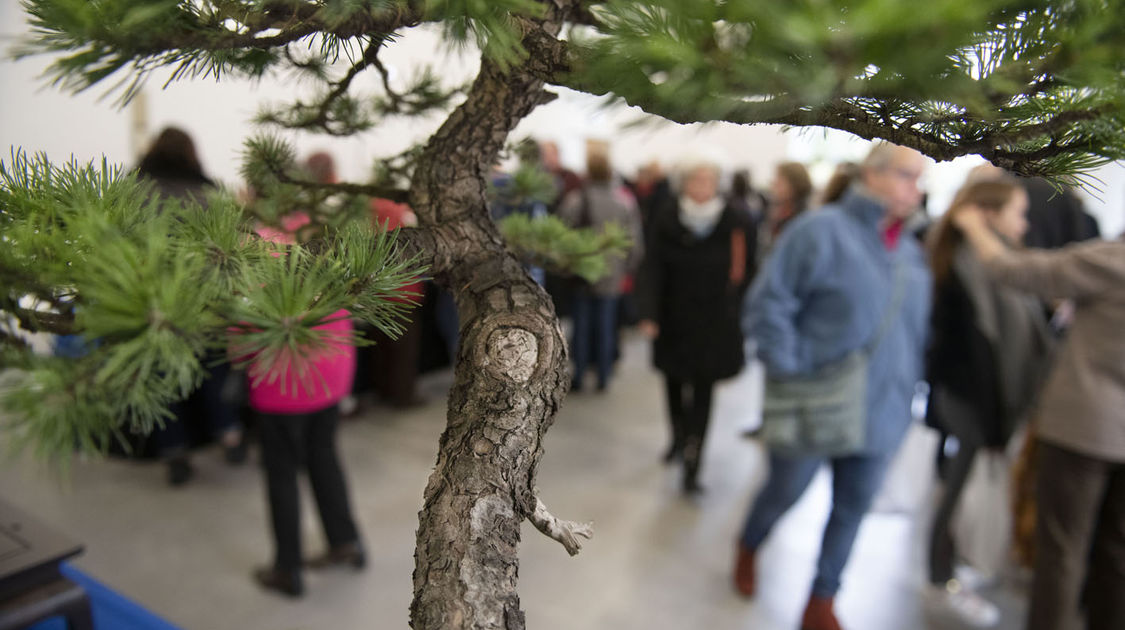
(989, 348)
(176, 183)
(688, 287)
(1056, 218)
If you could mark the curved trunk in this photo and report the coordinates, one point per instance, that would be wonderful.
(510, 378)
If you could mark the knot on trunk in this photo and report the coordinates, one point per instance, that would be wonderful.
(512, 353)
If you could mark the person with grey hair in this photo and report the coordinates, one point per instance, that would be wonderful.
(699, 259)
(841, 282)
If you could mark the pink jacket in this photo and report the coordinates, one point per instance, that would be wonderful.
(329, 379)
(330, 373)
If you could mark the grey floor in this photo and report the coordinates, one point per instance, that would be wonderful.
(657, 561)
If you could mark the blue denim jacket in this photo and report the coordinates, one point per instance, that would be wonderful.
(823, 293)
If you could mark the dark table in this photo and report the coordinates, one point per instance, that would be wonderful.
(31, 587)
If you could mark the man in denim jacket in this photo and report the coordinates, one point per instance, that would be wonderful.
(822, 294)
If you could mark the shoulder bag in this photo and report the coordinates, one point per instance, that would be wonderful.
(825, 413)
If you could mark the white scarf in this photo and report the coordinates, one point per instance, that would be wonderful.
(700, 218)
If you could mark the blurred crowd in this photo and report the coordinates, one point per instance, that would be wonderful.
(1008, 305)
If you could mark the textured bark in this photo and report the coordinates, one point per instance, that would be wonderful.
(511, 371)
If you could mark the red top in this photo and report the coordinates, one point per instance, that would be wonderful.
(891, 234)
(390, 215)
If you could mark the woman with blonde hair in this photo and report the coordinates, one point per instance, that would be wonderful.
(989, 349)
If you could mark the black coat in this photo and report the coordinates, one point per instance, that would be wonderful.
(685, 285)
(961, 360)
(964, 361)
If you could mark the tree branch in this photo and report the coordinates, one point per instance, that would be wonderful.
(396, 98)
(420, 243)
(41, 321)
(339, 89)
(565, 532)
(1047, 128)
(397, 195)
(293, 25)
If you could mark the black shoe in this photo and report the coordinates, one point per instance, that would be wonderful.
(236, 455)
(752, 434)
(280, 580)
(350, 554)
(692, 454)
(691, 486)
(179, 471)
(674, 453)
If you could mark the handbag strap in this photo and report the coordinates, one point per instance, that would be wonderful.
(892, 311)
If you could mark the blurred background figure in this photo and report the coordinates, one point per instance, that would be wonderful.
(838, 279)
(743, 197)
(1056, 217)
(1080, 487)
(566, 180)
(595, 306)
(988, 352)
(297, 421)
(651, 189)
(698, 262)
(843, 177)
(790, 193)
(172, 165)
(395, 362)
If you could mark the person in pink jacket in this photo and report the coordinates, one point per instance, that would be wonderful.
(297, 418)
(297, 423)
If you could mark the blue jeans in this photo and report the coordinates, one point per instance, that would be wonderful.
(595, 331)
(855, 480)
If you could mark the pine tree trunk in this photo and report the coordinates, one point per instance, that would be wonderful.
(511, 372)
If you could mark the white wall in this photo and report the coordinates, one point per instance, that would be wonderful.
(38, 117)
(1105, 199)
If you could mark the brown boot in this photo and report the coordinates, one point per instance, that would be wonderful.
(819, 615)
(745, 569)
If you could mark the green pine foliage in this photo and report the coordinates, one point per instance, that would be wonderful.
(546, 241)
(281, 187)
(549, 243)
(490, 24)
(1035, 86)
(152, 287)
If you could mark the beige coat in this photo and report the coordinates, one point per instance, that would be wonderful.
(1083, 403)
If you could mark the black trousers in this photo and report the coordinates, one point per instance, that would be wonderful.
(689, 409)
(394, 362)
(1079, 542)
(961, 422)
(288, 441)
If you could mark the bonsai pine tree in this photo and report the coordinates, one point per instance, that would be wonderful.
(1037, 87)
